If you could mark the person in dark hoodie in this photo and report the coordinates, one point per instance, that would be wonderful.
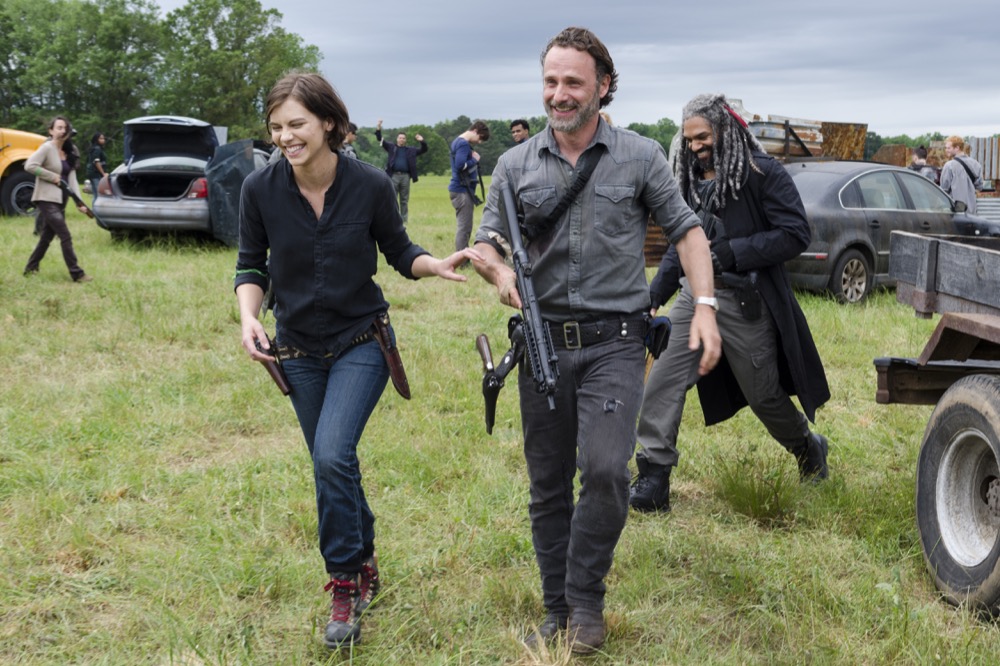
(755, 221)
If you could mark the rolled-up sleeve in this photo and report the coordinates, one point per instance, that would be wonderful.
(663, 198)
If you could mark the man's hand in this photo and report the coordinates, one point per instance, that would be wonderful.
(507, 288)
(705, 333)
(419, 138)
(378, 125)
(722, 252)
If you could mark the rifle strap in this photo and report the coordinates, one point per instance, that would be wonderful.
(585, 167)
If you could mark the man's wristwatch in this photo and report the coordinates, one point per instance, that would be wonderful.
(710, 302)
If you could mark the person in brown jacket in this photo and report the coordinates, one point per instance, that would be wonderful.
(52, 164)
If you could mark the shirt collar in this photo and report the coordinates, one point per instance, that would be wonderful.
(604, 135)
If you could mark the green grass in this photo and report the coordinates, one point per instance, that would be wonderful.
(157, 506)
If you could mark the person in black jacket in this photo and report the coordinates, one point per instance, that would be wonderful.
(401, 165)
(755, 221)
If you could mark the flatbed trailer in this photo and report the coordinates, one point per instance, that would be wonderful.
(958, 469)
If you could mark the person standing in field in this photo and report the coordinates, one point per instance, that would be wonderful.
(961, 176)
(313, 225)
(465, 179)
(401, 165)
(53, 164)
(589, 275)
(754, 218)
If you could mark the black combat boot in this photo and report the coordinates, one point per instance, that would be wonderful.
(811, 457)
(651, 489)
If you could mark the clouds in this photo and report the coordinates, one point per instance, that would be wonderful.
(899, 66)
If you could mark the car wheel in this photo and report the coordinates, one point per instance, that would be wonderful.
(852, 277)
(958, 493)
(16, 194)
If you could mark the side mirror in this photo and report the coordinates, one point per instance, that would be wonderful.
(961, 207)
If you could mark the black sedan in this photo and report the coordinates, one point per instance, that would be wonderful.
(852, 208)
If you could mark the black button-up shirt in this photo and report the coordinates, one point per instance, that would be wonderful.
(322, 269)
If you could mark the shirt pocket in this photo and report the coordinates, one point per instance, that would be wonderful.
(613, 204)
(537, 203)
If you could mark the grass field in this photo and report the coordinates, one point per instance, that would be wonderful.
(157, 506)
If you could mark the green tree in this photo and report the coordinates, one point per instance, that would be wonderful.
(872, 143)
(662, 131)
(222, 58)
(94, 62)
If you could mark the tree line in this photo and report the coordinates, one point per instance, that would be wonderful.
(101, 62)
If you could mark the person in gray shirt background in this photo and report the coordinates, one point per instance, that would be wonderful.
(961, 175)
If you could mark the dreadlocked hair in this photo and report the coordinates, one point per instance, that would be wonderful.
(732, 144)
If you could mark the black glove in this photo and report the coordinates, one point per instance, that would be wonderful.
(722, 255)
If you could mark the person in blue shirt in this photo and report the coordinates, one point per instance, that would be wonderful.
(465, 179)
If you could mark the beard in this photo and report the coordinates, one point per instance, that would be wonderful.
(705, 163)
(584, 115)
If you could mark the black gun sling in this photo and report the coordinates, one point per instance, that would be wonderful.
(590, 160)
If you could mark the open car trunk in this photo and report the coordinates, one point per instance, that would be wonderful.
(154, 185)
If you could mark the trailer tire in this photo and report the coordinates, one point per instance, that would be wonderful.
(852, 277)
(958, 493)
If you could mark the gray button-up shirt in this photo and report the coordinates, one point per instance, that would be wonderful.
(592, 264)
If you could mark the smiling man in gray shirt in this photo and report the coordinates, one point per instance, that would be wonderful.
(589, 276)
(961, 176)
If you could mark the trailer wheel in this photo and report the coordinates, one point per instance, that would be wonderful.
(958, 493)
(852, 277)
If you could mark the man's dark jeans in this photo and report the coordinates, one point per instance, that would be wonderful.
(593, 429)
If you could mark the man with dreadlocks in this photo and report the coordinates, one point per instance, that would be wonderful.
(590, 280)
(755, 221)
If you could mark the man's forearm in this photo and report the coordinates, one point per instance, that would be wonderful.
(696, 260)
(492, 268)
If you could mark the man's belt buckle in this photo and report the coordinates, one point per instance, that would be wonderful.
(571, 334)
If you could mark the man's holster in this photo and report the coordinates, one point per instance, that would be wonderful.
(747, 292)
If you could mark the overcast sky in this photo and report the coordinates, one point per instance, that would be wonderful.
(900, 66)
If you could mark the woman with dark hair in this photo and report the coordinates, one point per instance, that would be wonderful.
(54, 166)
(312, 225)
(97, 162)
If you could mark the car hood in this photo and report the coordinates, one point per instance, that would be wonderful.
(169, 135)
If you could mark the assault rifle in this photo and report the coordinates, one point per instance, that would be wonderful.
(528, 333)
(64, 186)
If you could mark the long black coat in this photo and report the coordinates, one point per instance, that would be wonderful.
(766, 226)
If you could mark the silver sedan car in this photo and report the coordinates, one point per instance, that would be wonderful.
(165, 183)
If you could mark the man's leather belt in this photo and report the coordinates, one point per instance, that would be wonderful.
(577, 334)
(721, 284)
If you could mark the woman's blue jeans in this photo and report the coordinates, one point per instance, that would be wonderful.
(333, 399)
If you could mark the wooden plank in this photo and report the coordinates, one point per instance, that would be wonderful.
(946, 271)
(904, 381)
(961, 336)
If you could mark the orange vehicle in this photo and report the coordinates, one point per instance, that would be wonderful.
(16, 185)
